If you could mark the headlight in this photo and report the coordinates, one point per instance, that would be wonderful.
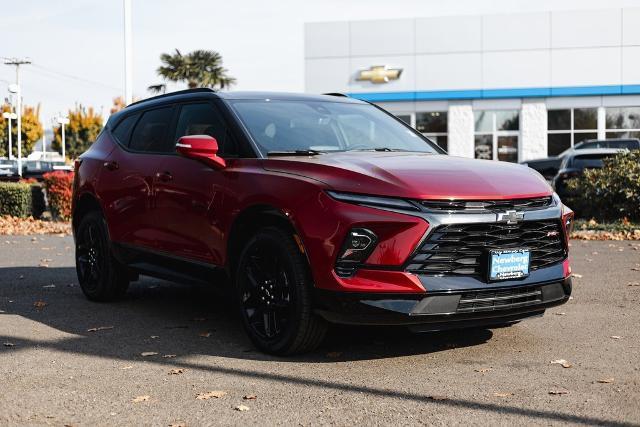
(373, 201)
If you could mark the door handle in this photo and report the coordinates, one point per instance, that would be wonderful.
(112, 165)
(164, 176)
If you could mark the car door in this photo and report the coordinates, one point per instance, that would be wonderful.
(130, 173)
(190, 194)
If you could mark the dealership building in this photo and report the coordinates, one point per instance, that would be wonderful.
(510, 87)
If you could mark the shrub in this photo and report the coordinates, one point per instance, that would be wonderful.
(59, 185)
(610, 193)
(15, 199)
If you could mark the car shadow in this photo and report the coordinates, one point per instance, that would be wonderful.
(182, 321)
(189, 319)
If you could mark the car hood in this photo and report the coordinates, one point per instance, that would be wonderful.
(416, 175)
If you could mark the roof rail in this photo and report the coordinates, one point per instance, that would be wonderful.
(179, 92)
(336, 94)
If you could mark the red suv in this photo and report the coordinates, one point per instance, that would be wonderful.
(319, 209)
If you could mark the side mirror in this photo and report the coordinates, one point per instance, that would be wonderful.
(200, 147)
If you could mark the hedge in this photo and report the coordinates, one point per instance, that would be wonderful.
(59, 185)
(15, 199)
(611, 193)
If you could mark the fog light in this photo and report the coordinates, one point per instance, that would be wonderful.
(358, 245)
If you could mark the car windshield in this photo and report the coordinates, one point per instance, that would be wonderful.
(280, 127)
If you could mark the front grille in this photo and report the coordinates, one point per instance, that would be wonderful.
(487, 205)
(460, 249)
(499, 299)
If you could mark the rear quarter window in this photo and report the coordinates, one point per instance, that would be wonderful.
(122, 131)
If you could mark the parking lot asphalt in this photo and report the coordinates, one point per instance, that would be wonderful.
(67, 361)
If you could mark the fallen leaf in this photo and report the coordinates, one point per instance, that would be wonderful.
(153, 337)
(562, 313)
(241, 408)
(558, 391)
(127, 367)
(49, 286)
(482, 370)
(148, 353)
(334, 354)
(39, 305)
(141, 399)
(178, 424)
(635, 268)
(216, 394)
(176, 371)
(633, 284)
(616, 337)
(21, 277)
(562, 362)
(437, 397)
(605, 380)
(168, 356)
(9, 344)
(205, 334)
(99, 328)
(250, 397)
(576, 275)
(502, 394)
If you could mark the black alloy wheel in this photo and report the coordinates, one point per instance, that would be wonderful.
(274, 293)
(101, 276)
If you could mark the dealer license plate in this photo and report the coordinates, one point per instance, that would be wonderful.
(507, 264)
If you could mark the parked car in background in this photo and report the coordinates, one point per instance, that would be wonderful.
(575, 162)
(549, 166)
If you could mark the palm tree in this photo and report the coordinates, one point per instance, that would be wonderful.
(200, 68)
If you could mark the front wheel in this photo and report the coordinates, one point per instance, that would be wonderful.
(101, 276)
(274, 288)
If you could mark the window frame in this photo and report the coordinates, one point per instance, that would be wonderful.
(572, 131)
(495, 133)
(612, 130)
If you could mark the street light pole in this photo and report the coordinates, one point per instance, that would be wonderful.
(9, 116)
(18, 63)
(128, 80)
(62, 121)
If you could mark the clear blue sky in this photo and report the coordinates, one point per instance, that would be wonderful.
(262, 42)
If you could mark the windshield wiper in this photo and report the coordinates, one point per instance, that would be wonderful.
(385, 149)
(295, 153)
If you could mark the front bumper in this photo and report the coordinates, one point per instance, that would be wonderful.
(444, 309)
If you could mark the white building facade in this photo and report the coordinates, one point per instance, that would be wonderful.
(505, 87)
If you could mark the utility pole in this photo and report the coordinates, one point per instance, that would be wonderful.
(128, 58)
(18, 62)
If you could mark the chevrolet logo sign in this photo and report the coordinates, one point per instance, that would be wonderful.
(510, 217)
(379, 74)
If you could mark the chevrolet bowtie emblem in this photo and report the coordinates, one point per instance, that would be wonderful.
(511, 217)
(379, 74)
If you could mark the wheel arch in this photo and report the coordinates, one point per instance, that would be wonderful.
(86, 202)
(249, 221)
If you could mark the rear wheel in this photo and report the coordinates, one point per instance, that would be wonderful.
(101, 276)
(274, 287)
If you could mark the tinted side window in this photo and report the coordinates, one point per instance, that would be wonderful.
(204, 119)
(150, 134)
(123, 131)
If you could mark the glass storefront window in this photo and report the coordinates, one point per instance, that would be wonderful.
(568, 127)
(623, 118)
(433, 125)
(405, 118)
(497, 135)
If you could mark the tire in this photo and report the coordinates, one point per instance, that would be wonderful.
(274, 292)
(101, 276)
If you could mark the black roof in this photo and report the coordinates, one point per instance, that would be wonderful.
(210, 93)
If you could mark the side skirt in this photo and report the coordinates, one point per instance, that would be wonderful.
(165, 266)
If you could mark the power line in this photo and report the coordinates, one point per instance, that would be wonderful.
(72, 77)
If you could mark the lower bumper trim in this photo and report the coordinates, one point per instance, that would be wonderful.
(443, 310)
